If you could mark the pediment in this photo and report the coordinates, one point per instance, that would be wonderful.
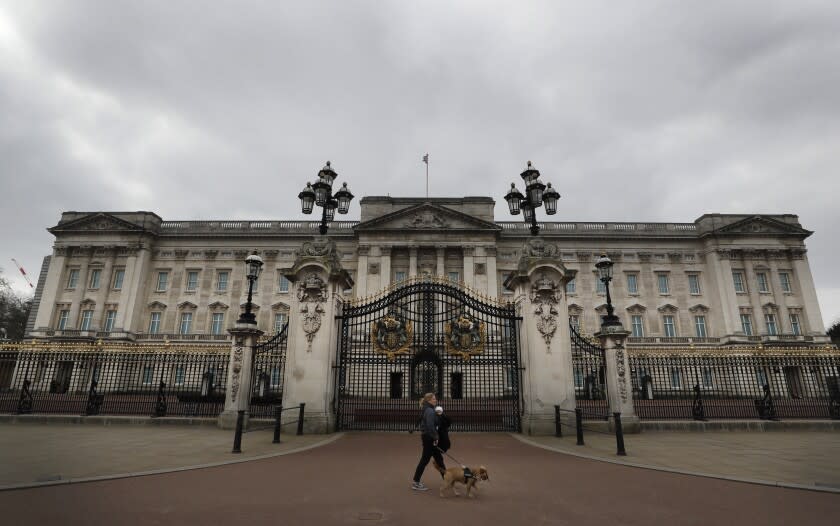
(636, 308)
(156, 305)
(280, 306)
(667, 308)
(218, 305)
(187, 305)
(96, 222)
(427, 216)
(761, 226)
(699, 308)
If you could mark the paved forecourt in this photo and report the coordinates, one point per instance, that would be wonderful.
(365, 477)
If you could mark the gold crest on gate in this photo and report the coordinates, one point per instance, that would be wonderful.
(391, 335)
(465, 337)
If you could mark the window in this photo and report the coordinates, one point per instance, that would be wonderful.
(73, 278)
(275, 377)
(676, 378)
(574, 321)
(662, 281)
(694, 284)
(600, 286)
(708, 380)
(279, 321)
(454, 276)
(746, 324)
(154, 323)
(399, 276)
(761, 376)
(218, 323)
(192, 280)
(795, 327)
(95, 277)
(761, 278)
(700, 326)
(570, 286)
(162, 280)
(632, 283)
(148, 372)
(119, 276)
(784, 280)
(110, 318)
(638, 327)
(222, 280)
(738, 281)
(770, 320)
(186, 323)
(87, 317)
(62, 319)
(180, 373)
(668, 324)
(283, 284)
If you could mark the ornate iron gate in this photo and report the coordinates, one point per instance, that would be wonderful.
(428, 336)
(267, 378)
(590, 380)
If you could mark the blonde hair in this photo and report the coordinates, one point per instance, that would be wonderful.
(426, 398)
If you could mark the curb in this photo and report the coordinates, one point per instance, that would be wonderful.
(775, 483)
(81, 480)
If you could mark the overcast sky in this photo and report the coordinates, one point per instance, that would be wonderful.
(636, 111)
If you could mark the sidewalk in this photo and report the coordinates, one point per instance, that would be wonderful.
(62, 453)
(790, 458)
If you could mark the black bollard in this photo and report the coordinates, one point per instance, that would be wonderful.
(558, 431)
(300, 420)
(579, 425)
(237, 437)
(619, 436)
(278, 410)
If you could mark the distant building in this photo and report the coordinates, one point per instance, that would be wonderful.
(723, 279)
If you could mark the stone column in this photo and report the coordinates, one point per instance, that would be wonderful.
(721, 268)
(440, 269)
(311, 350)
(238, 394)
(469, 266)
(412, 261)
(79, 294)
(131, 308)
(546, 349)
(804, 285)
(490, 269)
(361, 272)
(385, 266)
(619, 388)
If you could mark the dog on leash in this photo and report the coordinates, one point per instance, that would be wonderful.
(468, 477)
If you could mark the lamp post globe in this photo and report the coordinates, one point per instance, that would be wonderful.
(253, 267)
(604, 265)
(320, 194)
(536, 195)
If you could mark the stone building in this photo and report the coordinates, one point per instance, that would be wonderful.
(723, 279)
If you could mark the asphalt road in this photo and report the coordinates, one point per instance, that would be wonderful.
(364, 478)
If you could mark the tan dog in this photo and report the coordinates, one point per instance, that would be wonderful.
(456, 475)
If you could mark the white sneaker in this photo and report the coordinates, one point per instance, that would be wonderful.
(419, 486)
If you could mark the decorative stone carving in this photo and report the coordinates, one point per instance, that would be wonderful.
(312, 288)
(426, 219)
(537, 248)
(621, 371)
(237, 368)
(391, 336)
(544, 297)
(373, 268)
(181, 254)
(211, 254)
(465, 337)
(311, 322)
(480, 268)
(320, 246)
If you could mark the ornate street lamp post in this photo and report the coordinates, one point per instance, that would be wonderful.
(605, 271)
(320, 193)
(537, 194)
(253, 267)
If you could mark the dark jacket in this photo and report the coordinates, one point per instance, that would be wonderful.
(428, 422)
(443, 424)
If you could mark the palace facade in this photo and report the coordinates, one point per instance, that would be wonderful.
(724, 279)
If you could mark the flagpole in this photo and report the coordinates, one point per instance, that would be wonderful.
(427, 178)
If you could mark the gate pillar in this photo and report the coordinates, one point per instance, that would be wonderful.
(619, 390)
(548, 379)
(319, 280)
(238, 390)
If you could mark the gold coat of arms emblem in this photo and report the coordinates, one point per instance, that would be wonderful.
(465, 337)
(391, 336)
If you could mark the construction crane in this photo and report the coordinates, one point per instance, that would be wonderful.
(23, 272)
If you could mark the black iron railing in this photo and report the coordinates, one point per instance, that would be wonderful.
(267, 377)
(106, 382)
(746, 386)
(589, 376)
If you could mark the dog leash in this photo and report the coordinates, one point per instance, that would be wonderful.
(450, 456)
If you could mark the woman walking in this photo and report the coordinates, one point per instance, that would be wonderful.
(429, 437)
